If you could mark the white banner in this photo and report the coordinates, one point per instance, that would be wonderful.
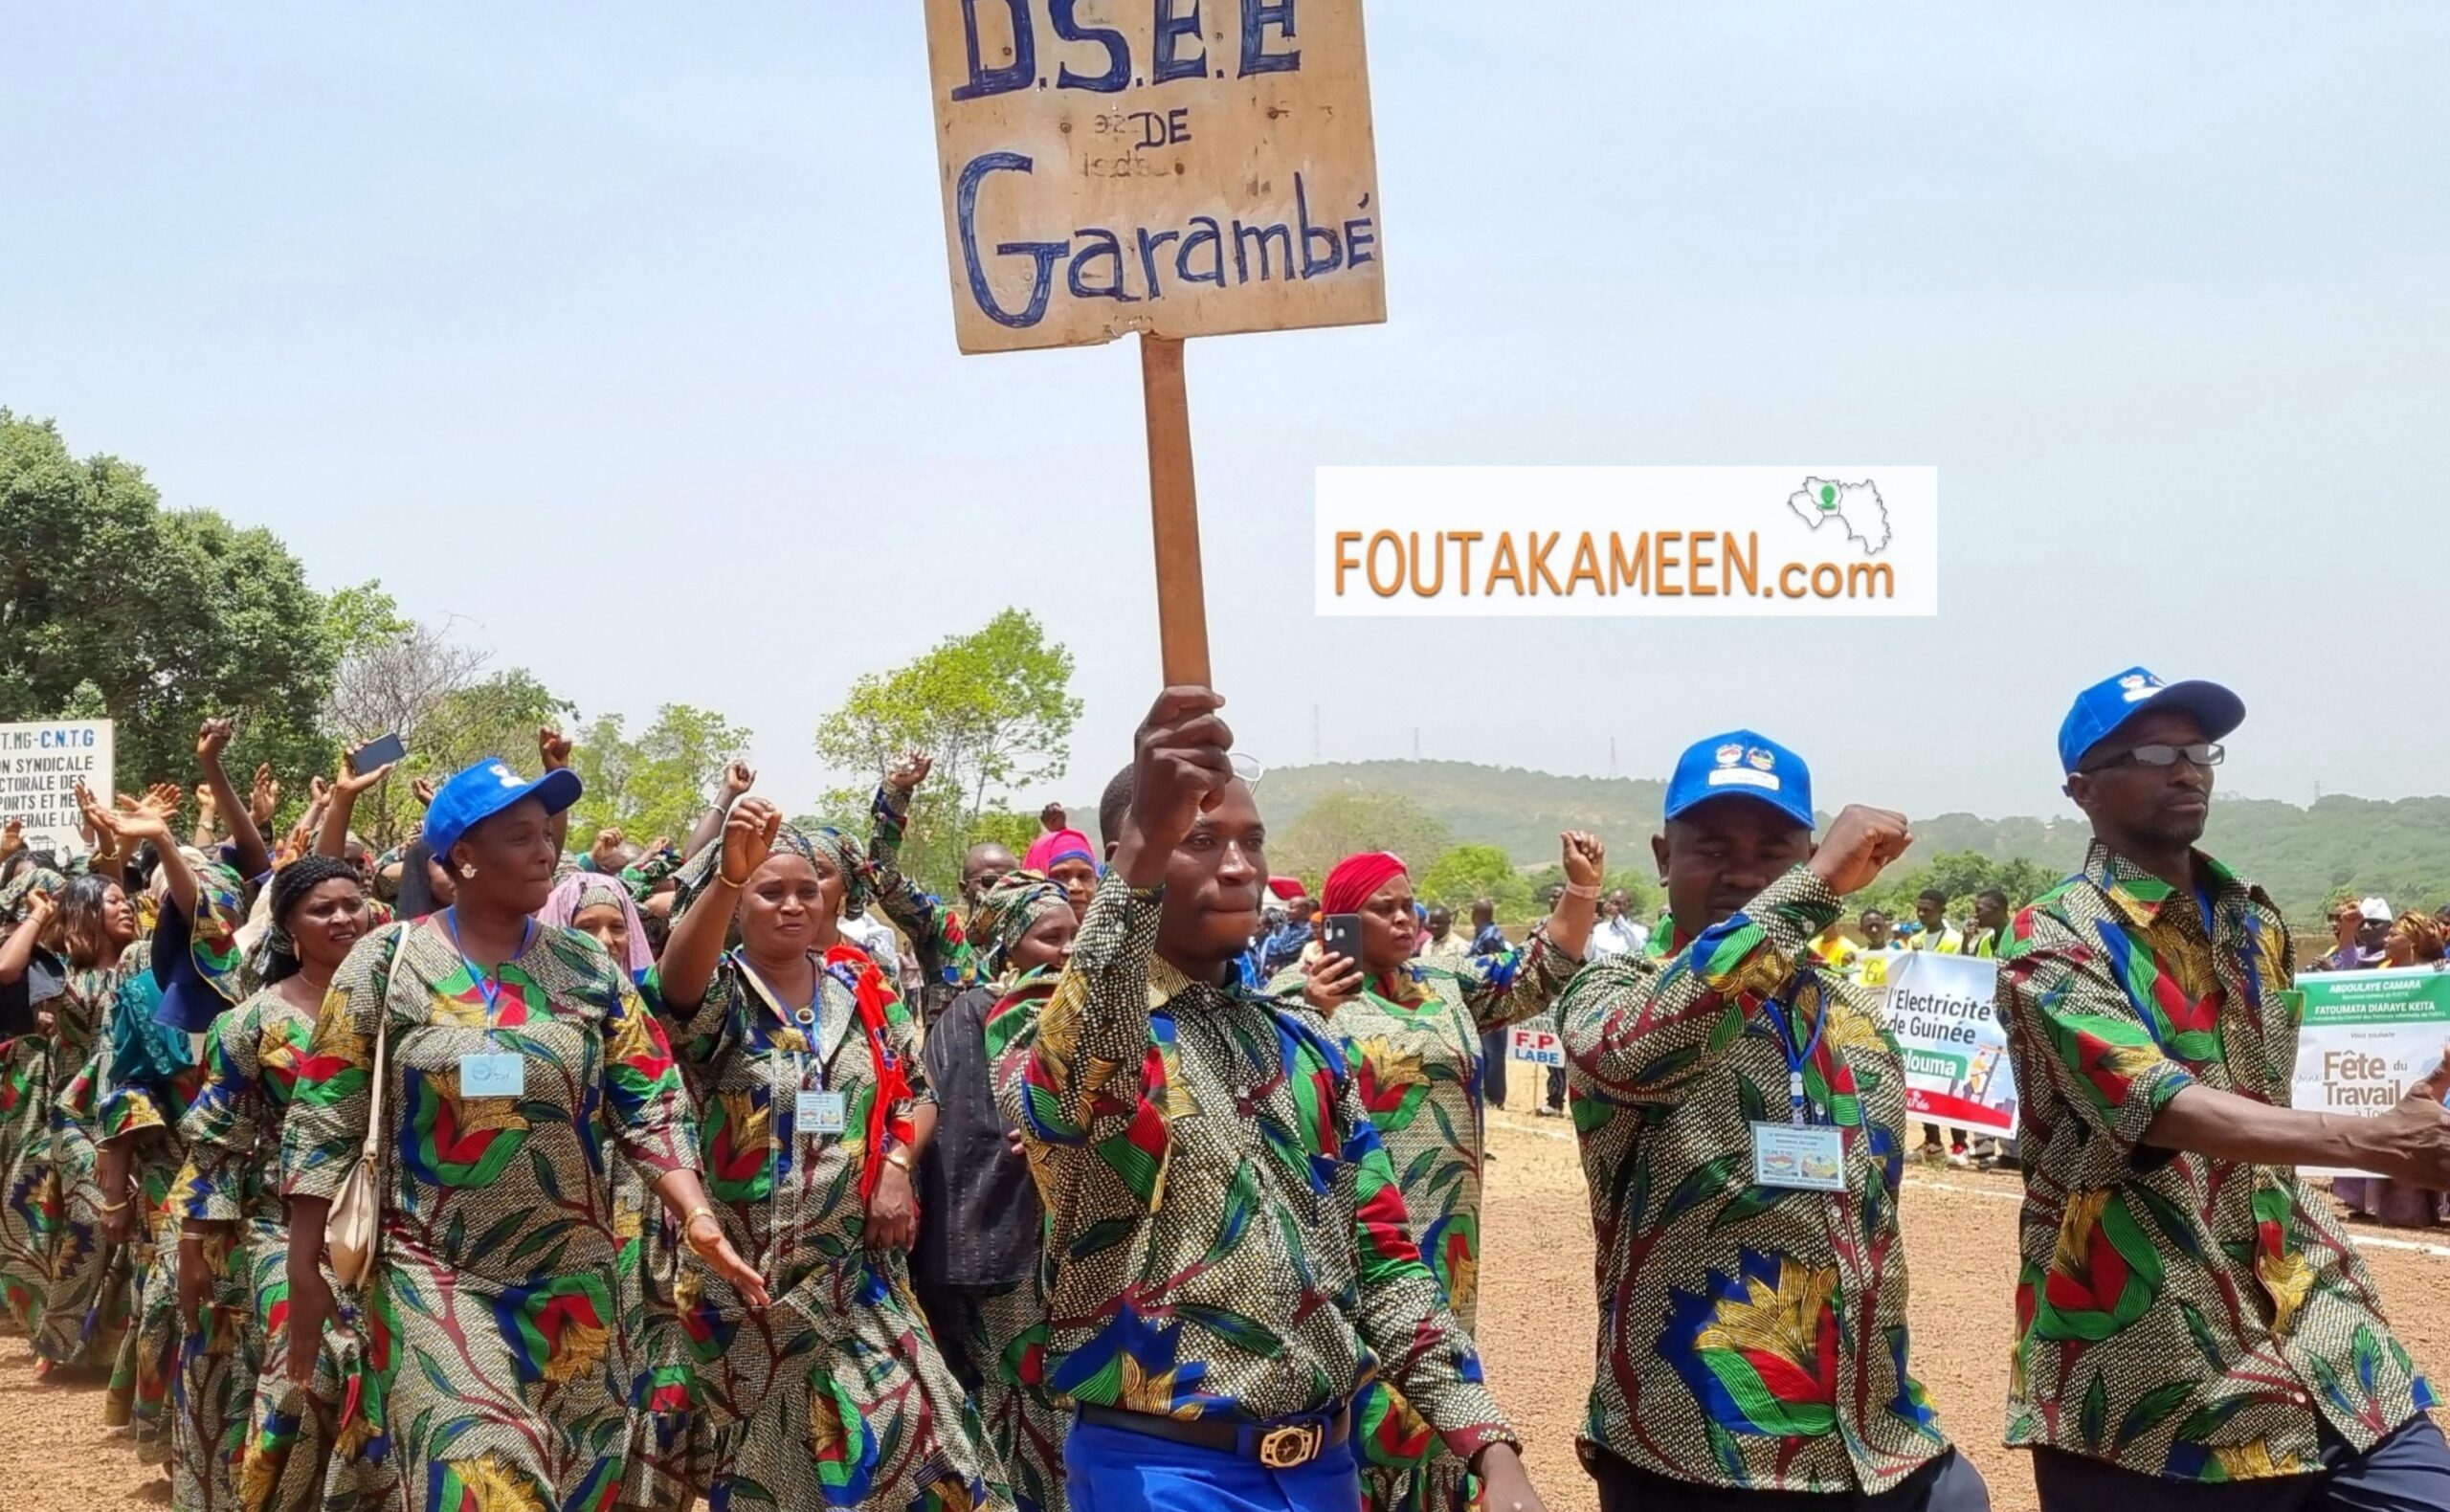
(1943, 1011)
(1541, 1047)
(2367, 1037)
(40, 765)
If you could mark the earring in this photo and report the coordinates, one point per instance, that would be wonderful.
(468, 874)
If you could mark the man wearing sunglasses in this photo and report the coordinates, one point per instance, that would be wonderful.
(2195, 1329)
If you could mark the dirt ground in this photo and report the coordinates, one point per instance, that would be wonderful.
(1536, 1330)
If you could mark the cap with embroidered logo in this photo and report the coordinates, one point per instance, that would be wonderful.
(477, 793)
(2101, 708)
(1741, 764)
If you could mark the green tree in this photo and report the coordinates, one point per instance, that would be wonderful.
(171, 617)
(1343, 823)
(657, 785)
(1468, 873)
(994, 708)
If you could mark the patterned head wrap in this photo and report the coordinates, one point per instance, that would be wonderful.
(581, 891)
(1007, 913)
(2423, 933)
(1357, 878)
(12, 898)
(838, 851)
(1049, 849)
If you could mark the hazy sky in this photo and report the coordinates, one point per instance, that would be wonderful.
(620, 335)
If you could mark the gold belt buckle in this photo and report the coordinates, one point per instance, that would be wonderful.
(1292, 1447)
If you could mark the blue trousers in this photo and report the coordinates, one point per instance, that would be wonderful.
(1115, 1470)
(2407, 1472)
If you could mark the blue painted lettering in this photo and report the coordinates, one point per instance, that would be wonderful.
(1098, 244)
(1068, 27)
(1358, 237)
(1244, 238)
(1149, 243)
(1203, 231)
(1169, 63)
(1045, 253)
(1313, 265)
(1019, 73)
(1256, 16)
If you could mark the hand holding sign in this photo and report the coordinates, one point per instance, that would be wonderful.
(2411, 1142)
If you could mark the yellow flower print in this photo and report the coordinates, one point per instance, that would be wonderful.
(2254, 1462)
(2074, 1254)
(491, 1484)
(1785, 1322)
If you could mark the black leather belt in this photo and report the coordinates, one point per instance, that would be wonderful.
(1287, 1444)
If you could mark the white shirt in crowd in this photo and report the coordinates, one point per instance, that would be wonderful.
(877, 938)
(1617, 936)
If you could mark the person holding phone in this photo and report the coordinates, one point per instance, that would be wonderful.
(1742, 1114)
(1413, 1030)
(1229, 1259)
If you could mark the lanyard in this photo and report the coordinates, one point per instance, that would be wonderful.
(488, 985)
(806, 1016)
(1798, 1055)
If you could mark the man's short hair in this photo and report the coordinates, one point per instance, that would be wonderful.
(1995, 895)
(1114, 804)
(1930, 895)
(1869, 914)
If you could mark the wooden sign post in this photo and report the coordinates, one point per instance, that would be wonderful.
(1170, 167)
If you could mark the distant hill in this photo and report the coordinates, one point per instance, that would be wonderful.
(2398, 849)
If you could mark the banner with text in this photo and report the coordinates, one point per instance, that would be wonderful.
(1940, 1009)
(2367, 1037)
(40, 765)
(1179, 168)
(1541, 1047)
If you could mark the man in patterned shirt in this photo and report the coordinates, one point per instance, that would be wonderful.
(1228, 1256)
(2195, 1330)
(1742, 1114)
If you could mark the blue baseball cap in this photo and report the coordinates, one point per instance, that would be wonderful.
(2101, 708)
(478, 793)
(1741, 764)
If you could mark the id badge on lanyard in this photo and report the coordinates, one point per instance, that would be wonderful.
(1799, 1155)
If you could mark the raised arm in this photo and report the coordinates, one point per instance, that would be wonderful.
(17, 950)
(687, 968)
(1524, 981)
(553, 750)
(944, 956)
(331, 838)
(246, 841)
(1644, 1032)
(738, 778)
(149, 818)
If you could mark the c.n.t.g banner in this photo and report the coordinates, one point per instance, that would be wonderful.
(1177, 167)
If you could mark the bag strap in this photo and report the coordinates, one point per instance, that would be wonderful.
(381, 1036)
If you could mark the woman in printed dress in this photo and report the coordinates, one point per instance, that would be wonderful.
(980, 1249)
(1413, 1030)
(233, 1238)
(85, 1277)
(29, 911)
(815, 1105)
(187, 971)
(487, 1367)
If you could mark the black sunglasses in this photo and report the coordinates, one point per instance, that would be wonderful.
(2202, 753)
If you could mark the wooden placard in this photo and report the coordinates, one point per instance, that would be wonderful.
(1174, 168)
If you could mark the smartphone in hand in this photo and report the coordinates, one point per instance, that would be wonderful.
(1340, 935)
(381, 751)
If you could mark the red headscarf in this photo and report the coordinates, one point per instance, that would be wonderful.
(1356, 877)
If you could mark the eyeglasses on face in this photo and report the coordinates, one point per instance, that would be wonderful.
(2202, 753)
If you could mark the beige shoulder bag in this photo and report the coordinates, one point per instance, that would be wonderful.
(356, 1221)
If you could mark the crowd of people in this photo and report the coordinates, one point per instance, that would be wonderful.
(487, 1176)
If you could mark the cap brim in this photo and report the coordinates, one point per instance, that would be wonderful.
(2215, 708)
(557, 790)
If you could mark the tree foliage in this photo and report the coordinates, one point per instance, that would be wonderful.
(158, 619)
(1343, 823)
(994, 708)
(661, 783)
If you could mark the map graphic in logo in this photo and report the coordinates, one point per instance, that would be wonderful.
(1856, 508)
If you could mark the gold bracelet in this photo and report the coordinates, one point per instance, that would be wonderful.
(701, 1210)
(899, 1156)
(115, 1207)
